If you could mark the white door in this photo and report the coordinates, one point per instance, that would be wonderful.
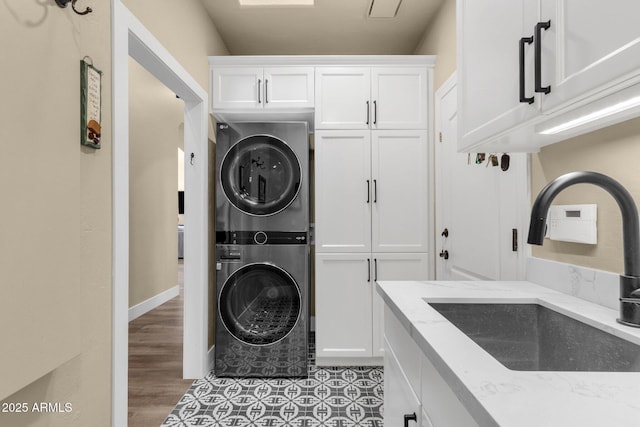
(400, 194)
(589, 46)
(237, 88)
(344, 191)
(399, 98)
(478, 206)
(414, 266)
(288, 87)
(489, 68)
(343, 305)
(342, 98)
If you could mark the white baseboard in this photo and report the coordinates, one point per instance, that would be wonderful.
(153, 302)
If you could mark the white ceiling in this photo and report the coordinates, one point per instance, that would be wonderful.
(331, 27)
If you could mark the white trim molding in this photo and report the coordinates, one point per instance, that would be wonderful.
(131, 39)
(153, 302)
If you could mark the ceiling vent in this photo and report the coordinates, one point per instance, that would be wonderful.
(384, 8)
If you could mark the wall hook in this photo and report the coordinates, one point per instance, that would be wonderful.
(64, 3)
(192, 156)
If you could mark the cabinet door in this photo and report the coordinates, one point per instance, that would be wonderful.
(400, 195)
(488, 67)
(399, 98)
(343, 305)
(399, 398)
(393, 267)
(288, 87)
(342, 98)
(236, 88)
(343, 191)
(591, 45)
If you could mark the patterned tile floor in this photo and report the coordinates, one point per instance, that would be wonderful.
(329, 397)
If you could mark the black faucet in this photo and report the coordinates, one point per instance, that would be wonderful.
(630, 280)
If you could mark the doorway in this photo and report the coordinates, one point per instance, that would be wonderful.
(132, 39)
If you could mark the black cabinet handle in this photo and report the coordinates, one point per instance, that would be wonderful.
(266, 91)
(538, 57)
(375, 191)
(375, 112)
(368, 269)
(368, 191)
(410, 417)
(524, 41)
(367, 112)
(375, 269)
(259, 90)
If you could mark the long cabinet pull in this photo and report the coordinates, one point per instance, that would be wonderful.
(375, 112)
(259, 90)
(368, 191)
(538, 57)
(266, 91)
(375, 269)
(523, 98)
(368, 269)
(375, 191)
(367, 112)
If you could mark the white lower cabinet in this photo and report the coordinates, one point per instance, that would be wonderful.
(412, 383)
(401, 405)
(349, 318)
(344, 286)
(392, 266)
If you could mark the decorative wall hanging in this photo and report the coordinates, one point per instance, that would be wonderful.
(90, 103)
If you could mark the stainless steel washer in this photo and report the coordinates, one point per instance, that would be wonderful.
(262, 176)
(262, 319)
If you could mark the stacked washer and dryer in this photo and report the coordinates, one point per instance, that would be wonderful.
(262, 249)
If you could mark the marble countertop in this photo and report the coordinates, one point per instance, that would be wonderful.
(497, 396)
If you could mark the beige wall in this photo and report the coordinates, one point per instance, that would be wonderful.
(155, 133)
(440, 39)
(55, 225)
(613, 151)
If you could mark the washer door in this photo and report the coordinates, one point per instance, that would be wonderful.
(260, 175)
(260, 304)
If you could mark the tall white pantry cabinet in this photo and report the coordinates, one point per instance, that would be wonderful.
(371, 198)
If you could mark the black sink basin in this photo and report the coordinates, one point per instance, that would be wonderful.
(531, 337)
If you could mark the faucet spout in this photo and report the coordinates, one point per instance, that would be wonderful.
(630, 280)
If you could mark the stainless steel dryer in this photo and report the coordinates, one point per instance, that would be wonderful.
(262, 176)
(262, 319)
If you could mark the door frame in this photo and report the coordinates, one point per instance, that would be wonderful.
(131, 39)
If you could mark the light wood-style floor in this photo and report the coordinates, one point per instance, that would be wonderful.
(155, 362)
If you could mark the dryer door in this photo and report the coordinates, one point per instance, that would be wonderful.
(260, 304)
(260, 175)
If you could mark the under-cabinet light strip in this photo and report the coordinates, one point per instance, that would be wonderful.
(595, 115)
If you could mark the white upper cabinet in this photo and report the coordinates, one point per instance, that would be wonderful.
(236, 88)
(590, 45)
(371, 98)
(400, 208)
(343, 191)
(399, 98)
(489, 34)
(250, 88)
(371, 191)
(526, 67)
